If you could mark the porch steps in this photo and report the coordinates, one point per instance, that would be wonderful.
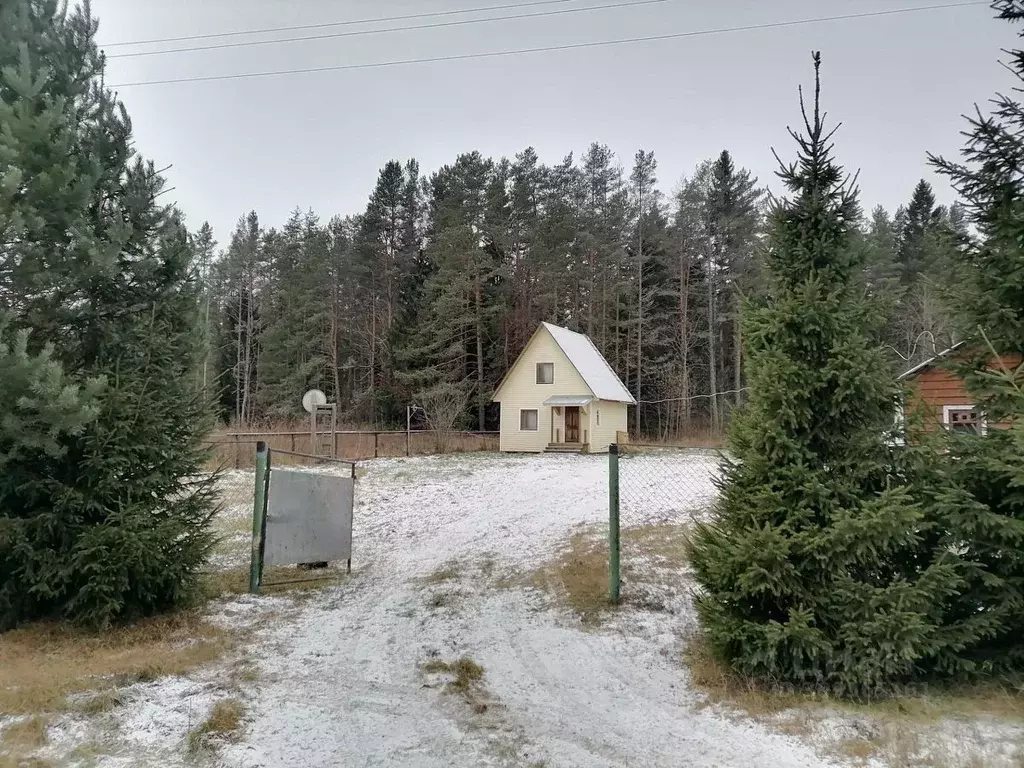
(564, 448)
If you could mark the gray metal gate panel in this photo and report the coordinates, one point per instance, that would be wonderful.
(309, 518)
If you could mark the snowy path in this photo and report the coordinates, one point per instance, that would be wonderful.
(341, 683)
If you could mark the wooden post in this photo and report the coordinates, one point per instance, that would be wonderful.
(375, 436)
(293, 442)
(408, 429)
(238, 458)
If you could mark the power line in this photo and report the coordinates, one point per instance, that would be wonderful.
(549, 48)
(328, 24)
(361, 32)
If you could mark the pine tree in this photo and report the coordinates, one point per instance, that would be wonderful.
(816, 571)
(110, 514)
(733, 222)
(203, 246)
(985, 508)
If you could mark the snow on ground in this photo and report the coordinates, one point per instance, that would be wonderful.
(340, 681)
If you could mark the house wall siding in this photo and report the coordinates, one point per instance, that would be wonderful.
(936, 387)
(520, 390)
(613, 419)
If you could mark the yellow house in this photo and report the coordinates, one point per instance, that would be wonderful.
(561, 395)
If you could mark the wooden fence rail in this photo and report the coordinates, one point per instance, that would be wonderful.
(237, 449)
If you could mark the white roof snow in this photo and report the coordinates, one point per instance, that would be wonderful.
(590, 364)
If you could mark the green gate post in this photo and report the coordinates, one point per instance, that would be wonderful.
(613, 522)
(259, 508)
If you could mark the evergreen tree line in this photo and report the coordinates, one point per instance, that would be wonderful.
(443, 278)
(846, 554)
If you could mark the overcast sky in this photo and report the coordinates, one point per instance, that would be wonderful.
(898, 83)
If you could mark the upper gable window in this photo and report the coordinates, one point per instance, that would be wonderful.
(545, 373)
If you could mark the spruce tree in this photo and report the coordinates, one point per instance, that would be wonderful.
(817, 569)
(984, 508)
(111, 522)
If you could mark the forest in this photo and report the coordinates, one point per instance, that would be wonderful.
(440, 282)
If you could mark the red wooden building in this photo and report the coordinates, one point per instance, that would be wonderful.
(943, 395)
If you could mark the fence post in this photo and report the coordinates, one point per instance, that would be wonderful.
(238, 459)
(259, 506)
(613, 522)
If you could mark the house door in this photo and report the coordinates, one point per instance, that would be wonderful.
(572, 424)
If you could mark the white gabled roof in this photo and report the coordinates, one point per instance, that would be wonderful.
(590, 364)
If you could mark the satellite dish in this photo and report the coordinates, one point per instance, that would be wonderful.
(312, 399)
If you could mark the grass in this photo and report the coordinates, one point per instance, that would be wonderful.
(449, 572)
(893, 729)
(223, 723)
(578, 575)
(235, 581)
(27, 733)
(47, 667)
(465, 677)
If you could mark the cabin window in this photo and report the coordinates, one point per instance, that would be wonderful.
(963, 418)
(545, 373)
(528, 421)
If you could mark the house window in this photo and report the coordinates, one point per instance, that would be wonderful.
(528, 421)
(545, 373)
(963, 418)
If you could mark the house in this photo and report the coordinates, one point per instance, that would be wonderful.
(561, 394)
(943, 395)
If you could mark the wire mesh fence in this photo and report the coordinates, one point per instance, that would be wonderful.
(656, 486)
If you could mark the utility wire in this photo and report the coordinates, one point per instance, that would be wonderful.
(361, 32)
(328, 24)
(547, 48)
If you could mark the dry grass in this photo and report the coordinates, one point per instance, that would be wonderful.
(578, 575)
(693, 439)
(47, 667)
(27, 733)
(892, 729)
(464, 677)
(223, 723)
(757, 698)
(235, 581)
(449, 572)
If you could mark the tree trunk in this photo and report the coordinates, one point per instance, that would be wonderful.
(737, 344)
(684, 334)
(712, 343)
(480, 406)
(639, 302)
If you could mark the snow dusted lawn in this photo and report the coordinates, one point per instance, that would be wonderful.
(442, 546)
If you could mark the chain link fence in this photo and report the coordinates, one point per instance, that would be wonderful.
(655, 493)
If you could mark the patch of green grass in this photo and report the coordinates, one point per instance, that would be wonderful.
(223, 723)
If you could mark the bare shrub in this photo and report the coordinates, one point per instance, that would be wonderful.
(444, 406)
